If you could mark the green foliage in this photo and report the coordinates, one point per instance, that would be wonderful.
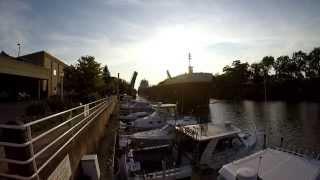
(313, 63)
(87, 81)
(38, 108)
(84, 78)
(143, 84)
(237, 73)
(106, 74)
(55, 104)
(266, 64)
(295, 77)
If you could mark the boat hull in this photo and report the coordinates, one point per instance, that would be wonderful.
(190, 97)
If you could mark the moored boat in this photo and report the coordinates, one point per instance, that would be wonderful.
(156, 162)
(212, 145)
(272, 164)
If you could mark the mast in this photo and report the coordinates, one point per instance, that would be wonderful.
(190, 67)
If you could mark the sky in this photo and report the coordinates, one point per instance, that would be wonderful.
(152, 36)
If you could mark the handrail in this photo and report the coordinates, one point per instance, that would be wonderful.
(93, 113)
(23, 126)
(47, 146)
(41, 135)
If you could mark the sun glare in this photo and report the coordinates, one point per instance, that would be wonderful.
(169, 47)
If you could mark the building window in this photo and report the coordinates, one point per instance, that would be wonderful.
(54, 72)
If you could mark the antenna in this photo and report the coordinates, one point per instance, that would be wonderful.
(19, 48)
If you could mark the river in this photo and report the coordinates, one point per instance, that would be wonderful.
(297, 123)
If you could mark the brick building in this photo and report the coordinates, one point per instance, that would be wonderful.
(37, 75)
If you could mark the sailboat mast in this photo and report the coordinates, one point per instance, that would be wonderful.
(190, 67)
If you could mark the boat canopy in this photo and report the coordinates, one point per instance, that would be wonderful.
(165, 106)
(208, 131)
(272, 164)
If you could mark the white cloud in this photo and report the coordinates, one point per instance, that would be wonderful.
(13, 26)
(152, 36)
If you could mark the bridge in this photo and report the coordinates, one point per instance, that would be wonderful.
(52, 147)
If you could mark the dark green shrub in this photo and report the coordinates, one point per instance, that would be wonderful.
(37, 108)
(56, 104)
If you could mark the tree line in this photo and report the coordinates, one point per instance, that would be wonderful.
(295, 77)
(87, 80)
(282, 78)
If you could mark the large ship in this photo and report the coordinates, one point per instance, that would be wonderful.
(191, 91)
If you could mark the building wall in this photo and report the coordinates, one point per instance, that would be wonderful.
(55, 67)
(15, 67)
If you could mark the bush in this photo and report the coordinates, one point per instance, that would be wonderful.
(38, 108)
(56, 104)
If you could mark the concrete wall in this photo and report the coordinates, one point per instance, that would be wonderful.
(88, 142)
(85, 143)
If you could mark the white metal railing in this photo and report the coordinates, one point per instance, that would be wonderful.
(74, 120)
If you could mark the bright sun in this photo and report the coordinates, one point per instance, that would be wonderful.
(169, 47)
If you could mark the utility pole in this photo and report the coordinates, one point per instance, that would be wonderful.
(265, 88)
(118, 84)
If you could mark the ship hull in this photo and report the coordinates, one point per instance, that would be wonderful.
(190, 97)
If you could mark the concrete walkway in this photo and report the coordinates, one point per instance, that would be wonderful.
(106, 151)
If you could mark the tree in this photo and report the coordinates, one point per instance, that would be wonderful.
(83, 78)
(106, 74)
(238, 73)
(267, 63)
(71, 75)
(256, 70)
(299, 64)
(313, 64)
(282, 67)
(144, 84)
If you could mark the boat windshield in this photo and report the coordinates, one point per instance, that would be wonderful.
(228, 143)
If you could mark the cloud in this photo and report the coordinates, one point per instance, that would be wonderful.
(152, 36)
(13, 26)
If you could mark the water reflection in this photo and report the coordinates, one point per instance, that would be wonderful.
(298, 123)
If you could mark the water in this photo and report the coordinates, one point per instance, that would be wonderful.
(297, 123)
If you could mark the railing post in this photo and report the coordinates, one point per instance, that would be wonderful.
(34, 164)
(19, 136)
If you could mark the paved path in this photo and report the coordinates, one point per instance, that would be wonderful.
(106, 151)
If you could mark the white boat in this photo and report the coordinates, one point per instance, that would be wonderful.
(133, 116)
(212, 145)
(163, 135)
(272, 164)
(135, 106)
(156, 162)
(162, 114)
